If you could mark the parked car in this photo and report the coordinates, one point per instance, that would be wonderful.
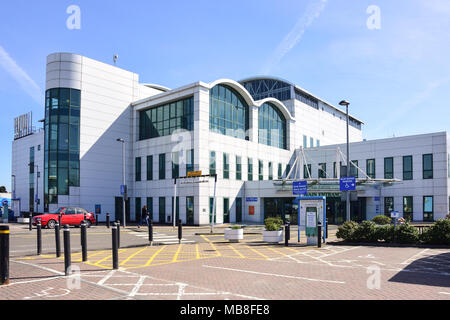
(69, 216)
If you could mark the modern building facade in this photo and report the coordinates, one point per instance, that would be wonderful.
(247, 132)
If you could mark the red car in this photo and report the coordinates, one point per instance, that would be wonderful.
(69, 216)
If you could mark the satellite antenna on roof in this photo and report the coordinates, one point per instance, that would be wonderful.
(115, 57)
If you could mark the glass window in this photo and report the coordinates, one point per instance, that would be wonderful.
(388, 206)
(280, 171)
(305, 142)
(353, 168)
(226, 166)
(427, 166)
(260, 170)
(408, 208)
(370, 168)
(228, 112)
(162, 166)
(334, 170)
(311, 142)
(238, 168)
(212, 162)
(138, 168)
(189, 160)
(389, 168)
(270, 171)
(149, 168)
(407, 168)
(288, 169)
(307, 171)
(226, 210)
(150, 207)
(428, 208)
(272, 126)
(250, 169)
(322, 170)
(175, 165)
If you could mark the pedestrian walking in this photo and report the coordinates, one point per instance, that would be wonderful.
(144, 216)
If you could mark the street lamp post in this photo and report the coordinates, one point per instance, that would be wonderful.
(346, 104)
(123, 181)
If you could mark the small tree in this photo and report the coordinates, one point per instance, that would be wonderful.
(3, 189)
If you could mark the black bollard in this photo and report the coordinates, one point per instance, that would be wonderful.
(59, 220)
(150, 231)
(286, 234)
(115, 248)
(180, 231)
(57, 240)
(96, 219)
(84, 241)
(4, 255)
(326, 229)
(39, 238)
(107, 220)
(67, 257)
(319, 234)
(118, 233)
(30, 221)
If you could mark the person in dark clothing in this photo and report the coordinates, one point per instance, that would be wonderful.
(144, 216)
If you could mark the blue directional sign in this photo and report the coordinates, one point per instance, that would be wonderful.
(98, 208)
(300, 187)
(123, 189)
(348, 184)
(252, 199)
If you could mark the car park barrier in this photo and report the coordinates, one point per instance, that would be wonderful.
(4, 255)
(57, 240)
(180, 231)
(115, 248)
(84, 241)
(39, 238)
(67, 257)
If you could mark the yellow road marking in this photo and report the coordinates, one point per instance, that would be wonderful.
(235, 250)
(154, 256)
(177, 253)
(262, 255)
(197, 254)
(131, 256)
(213, 246)
(276, 251)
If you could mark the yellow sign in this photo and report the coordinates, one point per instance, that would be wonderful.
(194, 174)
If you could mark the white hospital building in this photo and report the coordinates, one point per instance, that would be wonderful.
(257, 134)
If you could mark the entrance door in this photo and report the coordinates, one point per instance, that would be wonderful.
(238, 210)
(190, 210)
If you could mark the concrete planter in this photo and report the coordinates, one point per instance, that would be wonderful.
(234, 235)
(273, 236)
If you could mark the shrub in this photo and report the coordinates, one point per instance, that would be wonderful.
(365, 232)
(347, 230)
(439, 233)
(382, 220)
(273, 224)
(236, 227)
(384, 233)
(406, 233)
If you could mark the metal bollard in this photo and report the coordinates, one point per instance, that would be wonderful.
(150, 231)
(59, 220)
(4, 255)
(57, 240)
(118, 233)
(30, 221)
(84, 241)
(319, 234)
(180, 231)
(96, 220)
(67, 257)
(287, 232)
(107, 220)
(39, 238)
(326, 229)
(115, 252)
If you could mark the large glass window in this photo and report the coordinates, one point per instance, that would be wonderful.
(322, 170)
(260, 170)
(265, 88)
(270, 171)
(407, 168)
(165, 119)
(228, 112)
(149, 167)
(175, 165)
(272, 126)
(226, 166)
(389, 168)
(408, 208)
(250, 169)
(353, 168)
(212, 162)
(62, 143)
(370, 168)
(427, 166)
(238, 168)
(162, 166)
(189, 160)
(138, 168)
(388, 206)
(428, 208)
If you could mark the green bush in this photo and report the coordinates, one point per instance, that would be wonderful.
(273, 224)
(384, 233)
(236, 227)
(347, 230)
(382, 220)
(439, 233)
(406, 233)
(365, 232)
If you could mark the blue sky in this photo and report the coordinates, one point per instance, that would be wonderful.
(397, 78)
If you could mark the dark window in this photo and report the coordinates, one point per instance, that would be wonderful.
(150, 207)
(428, 207)
(175, 165)
(272, 126)
(427, 166)
(353, 168)
(211, 205)
(370, 168)
(226, 210)
(408, 208)
(212, 162)
(238, 168)
(162, 209)
(307, 171)
(162, 166)
(137, 209)
(228, 112)
(226, 166)
(265, 88)
(138, 169)
(250, 169)
(260, 170)
(270, 171)
(280, 171)
(388, 206)
(149, 167)
(165, 119)
(189, 160)
(288, 170)
(322, 170)
(389, 168)
(334, 170)
(407, 168)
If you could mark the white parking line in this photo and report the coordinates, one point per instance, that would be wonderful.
(407, 261)
(275, 275)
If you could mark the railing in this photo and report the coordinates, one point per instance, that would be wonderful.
(421, 229)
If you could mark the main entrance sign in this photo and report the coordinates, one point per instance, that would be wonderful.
(300, 187)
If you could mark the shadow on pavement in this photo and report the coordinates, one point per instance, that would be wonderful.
(436, 266)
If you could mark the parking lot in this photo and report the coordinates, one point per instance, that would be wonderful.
(206, 266)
